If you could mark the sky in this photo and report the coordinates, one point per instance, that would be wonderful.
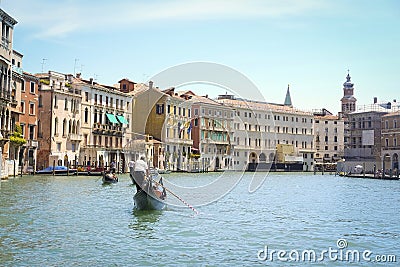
(308, 44)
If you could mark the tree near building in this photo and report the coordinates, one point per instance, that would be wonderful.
(17, 140)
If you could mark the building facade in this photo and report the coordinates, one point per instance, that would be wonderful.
(59, 120)
(164, 117)
(365, 136)
(391, 141)
(270, 135)
(7, 24)
(105, 119)
(24, 108)
(329, 138)
(212, 134)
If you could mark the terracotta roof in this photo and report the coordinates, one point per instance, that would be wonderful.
(397, 113)
(202, 99)
(249, 104)
(327, 117)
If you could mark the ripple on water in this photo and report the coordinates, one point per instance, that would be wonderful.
(76, 221)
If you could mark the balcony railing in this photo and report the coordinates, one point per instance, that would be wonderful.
(5, 94)
(390, 147)
(74, 137)
(5, 43)
(107, 129)
(181, 141)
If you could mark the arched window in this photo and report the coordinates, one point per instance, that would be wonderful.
(95, 115)
(64, 127)
(70, 126)
(56, 126)
(78, 127)
(86, 115)
(55, 101)
(66, 104)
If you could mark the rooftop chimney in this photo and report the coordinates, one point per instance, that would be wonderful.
(78, 75)
(375, 100)
(150, 84)
(91, 81)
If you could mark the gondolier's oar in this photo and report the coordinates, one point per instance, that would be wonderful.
(178, 197)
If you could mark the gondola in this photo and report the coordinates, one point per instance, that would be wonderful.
(110, 178)
(150, 195)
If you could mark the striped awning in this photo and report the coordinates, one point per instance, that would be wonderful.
(111, 118)
(122, 119)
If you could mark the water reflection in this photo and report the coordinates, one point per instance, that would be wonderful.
(145, 223)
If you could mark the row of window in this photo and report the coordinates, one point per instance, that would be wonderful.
(326, 122)
(181, 111)
(74, 147)
(326, 139)
(268, 143)
(31, 131)
(32, 87)
(71, 126)
(276, 117)
(327, 148)
(393, 143)
(109, 141)
(109, 101)
(177, 133)
(325, 155)
(32, 110)
(393, 126)
(213, 112)
(215, 136)
(335, 130)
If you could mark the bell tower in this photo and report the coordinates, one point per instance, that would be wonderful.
(348, 100)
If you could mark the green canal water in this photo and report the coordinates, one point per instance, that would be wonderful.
(77, 221)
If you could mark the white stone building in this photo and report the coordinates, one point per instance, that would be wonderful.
(261, 130)
(106, 114)
(329, 138)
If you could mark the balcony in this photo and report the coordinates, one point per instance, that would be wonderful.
(74, 137)
(387, 148)
(5, 95)
(188, 142)
(107, 129)
(5, 43)
(14, 103)
(216, 142)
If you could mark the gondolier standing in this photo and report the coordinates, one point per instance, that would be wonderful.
(141, 169)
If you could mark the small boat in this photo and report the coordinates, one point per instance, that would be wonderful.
(150, 195)
(163, 171)
(58, 170)
(110, 178)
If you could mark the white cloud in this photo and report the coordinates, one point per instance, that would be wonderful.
(60, 18)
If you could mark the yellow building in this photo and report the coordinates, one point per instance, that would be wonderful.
(163, 115)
